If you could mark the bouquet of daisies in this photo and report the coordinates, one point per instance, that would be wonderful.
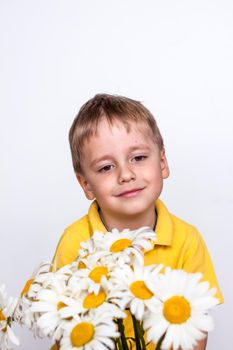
(83, 306)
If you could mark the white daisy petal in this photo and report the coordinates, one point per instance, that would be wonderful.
(12, 336)
(42, 306)
(158, 329)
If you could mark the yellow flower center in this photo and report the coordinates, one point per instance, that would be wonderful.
(81, 334)
(176, 310)
(97, 273)
(2, 317)
(54, 347)
(140, 290)
(81, 265)
(92, 300)
(120, 245)
(60, 305)
(26, 287)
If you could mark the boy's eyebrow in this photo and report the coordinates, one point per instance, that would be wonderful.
(106, 156)
(139, 146)
(109, 156)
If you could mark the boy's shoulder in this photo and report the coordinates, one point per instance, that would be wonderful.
(82, 223)
(69, 243)
(79, 231)
(87, 224)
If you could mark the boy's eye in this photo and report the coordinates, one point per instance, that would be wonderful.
(138, 158)
(105, 169)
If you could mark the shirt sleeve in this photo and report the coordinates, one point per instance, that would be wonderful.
(66, 251)
(197, 259)
(68, 246)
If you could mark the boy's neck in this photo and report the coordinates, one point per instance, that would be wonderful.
(133, 224)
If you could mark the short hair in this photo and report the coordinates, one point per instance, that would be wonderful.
(113, 108)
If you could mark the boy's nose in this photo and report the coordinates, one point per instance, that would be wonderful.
(126, 174)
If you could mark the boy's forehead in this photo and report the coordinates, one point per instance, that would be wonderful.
(102, 141)
(122, 127)
(117, 136)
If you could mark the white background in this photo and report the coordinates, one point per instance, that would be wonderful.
(176, 57)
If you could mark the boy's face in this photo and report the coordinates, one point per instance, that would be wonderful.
(123, 170)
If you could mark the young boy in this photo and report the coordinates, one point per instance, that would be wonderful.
(120, 162)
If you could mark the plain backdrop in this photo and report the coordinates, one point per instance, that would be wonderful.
(176, 57)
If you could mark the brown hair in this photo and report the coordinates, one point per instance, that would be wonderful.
(113, 108)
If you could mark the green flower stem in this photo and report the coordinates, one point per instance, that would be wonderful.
(158, 346)
(137, 332)
(121, 329)
(118, 344)
(142, 332)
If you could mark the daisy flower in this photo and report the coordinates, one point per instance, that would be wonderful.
(41, 279)
(7, 309)
(49, 304)
(182, 312)
(124, 245)
(37, 281)
(133, 281)
(108, 298)
(95, 330)
(92, 245)
(93, 276)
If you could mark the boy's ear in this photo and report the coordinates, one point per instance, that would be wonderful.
(85, 186)
(164, 164)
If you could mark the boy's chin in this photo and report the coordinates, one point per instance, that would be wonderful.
(135, 209)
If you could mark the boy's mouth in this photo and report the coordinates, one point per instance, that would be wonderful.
(130, 193)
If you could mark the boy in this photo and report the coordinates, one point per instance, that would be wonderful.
(120, 161)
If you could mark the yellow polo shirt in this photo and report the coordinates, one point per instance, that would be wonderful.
(179, 245)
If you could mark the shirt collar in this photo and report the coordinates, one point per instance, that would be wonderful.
(94, 218)
(164, 225)
(163, 229)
